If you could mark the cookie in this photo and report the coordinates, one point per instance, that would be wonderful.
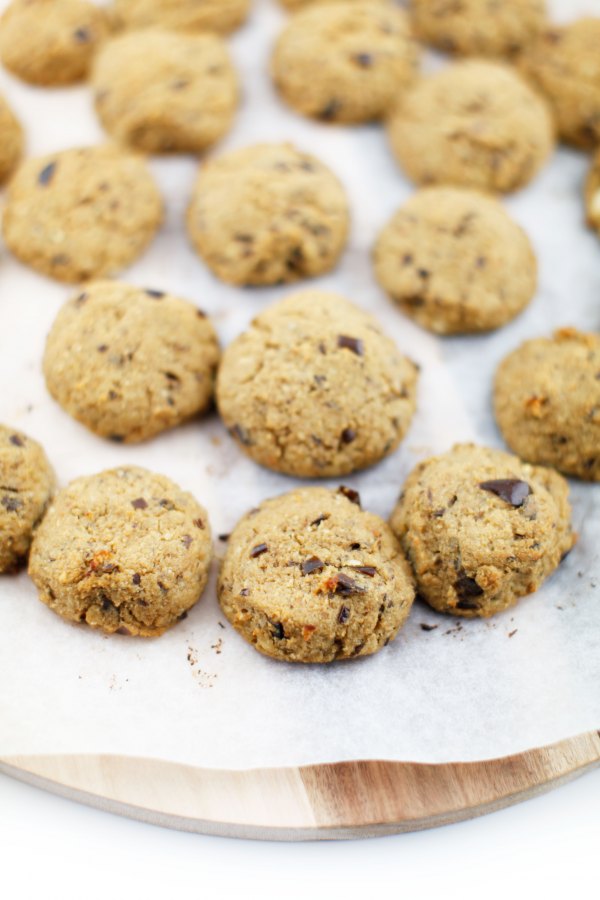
(476, 124)
(478, 27)
(315, 388)
(11, 140)
(81, 213)
(123, 551)
(592, 194)
(129, 363)
(547, 402)
(564, 64)
(455, 261)
(311, 577)
(26, 486)
(268, 214)
(51, 42)
(164, 92)
(221, 16)
(364, 54)
(481, 529)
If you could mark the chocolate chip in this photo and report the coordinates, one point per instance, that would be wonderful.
(187, 541)
(137, 579)
(163, 587)
(16, 440)
(355, 546)
(11, 504)
(371, 571)
(343, 584)
(224, 537)
(320, 519)
(349, 494)
(124, 631)
(423, 273)
(467, 588)
(201, 314)
(511, 490)
(330, 111)
(156, 295)
(407, 259)
(295, 259)
(350, 343)
(258, 550)
(102, 348)
(46, 174)
(82, 35)
(314, 564)
(116, 438)
(363, 59)
(348, 435)
(426, 627)
(140, 503)
(240, 434)
(343, 615)
(278, 632)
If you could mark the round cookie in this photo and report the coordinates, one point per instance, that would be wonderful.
(124, 551)
(310, 577)
(364, 53)
(547, 402)
(455, 261)
(481, 529)
(11, 140)
(476, 124)
(164, 92)
(564, 64)
(592, 194)
(221, 16)
(26, 486)
(81, 213)
(51, 42)
(268, 214)
(479, 27)
(315, 388)
(129, 363)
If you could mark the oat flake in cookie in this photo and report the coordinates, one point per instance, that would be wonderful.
(547, 402)
(124, 551)
(455, 261)
(81, 213)
(364, 55)
(11, 140)
(26, 486)
(165, 92)
(476, 124)
(268, 214)
(130, 362)
(314, 388)
(310, 577)
(51, 42)
(181, 15)
(481, 529)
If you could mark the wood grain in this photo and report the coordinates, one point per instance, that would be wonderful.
(338, 800)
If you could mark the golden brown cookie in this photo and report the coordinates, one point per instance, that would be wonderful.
(26, 486)
(51, 42)
(454, 261)
(476, 124)
(547, 402)
(364, 54)
(311, 577)
(268, 214)
(481, 529)
(592, 194)
(221, 16)
(165, 92)
(479, 27)
(564, 64)
(129, 363)
(11, 140)
(315, 388)
(81, 213)
(294, 5)
(124, 551)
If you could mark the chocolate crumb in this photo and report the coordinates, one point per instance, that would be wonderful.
(224, 537)
(314, 564)
(140, 503)
(240, 434)
(349, 343)
(512, 633)
(258, 551)
(320, 519)
(511, 490)
(426, 627)
(220, 624)
(350, 494)
(156, 295)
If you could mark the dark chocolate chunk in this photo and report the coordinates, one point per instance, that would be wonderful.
(163, 587)
(102, 348)
(350, 494)
(343, 615)
(343, 584)
(11, 504)
(140, 503)
(511, 490)
(224, 537)
(427, 627)
(363, 59)
(314, 564)
(124, 631)
(258, 550)
(240, 434)
(371, 571)
(82, 35)
(156, 295)
(350, 343)
(137, 579)
(16, 440)
(278, 632)
(355, 546)
(47, 173)
(348, 435)
(467, 589)
(320, 519)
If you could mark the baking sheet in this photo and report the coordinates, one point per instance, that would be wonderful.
(200, 694)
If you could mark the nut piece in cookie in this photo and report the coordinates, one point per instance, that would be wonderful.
(26, 486)
(130, 362)
(11, 140)
(221, 16)
(268, 214)
(547, 402)
(315, 388)
(311, 577)
(477, 124)
(481, 529)
(124, 551)
(454, 261)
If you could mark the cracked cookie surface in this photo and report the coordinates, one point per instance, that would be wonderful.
(221, 16)
(476, 124)
(481, 529)
(311, 577)
(123, 551)
(11, 140)
(547, 402)
(268, 214)
(454, 261)
(26, 486)
(315, 388)
(129, 363)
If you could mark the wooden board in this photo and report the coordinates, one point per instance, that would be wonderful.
(338, 800)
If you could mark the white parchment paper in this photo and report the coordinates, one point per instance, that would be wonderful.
(200, 694)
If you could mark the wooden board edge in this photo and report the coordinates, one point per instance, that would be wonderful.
(333, 801)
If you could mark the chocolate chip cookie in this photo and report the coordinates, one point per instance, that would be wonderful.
(221, 16)
(592, 194)
(11, 140)
(311, 577)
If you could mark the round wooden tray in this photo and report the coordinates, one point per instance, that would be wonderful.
(320, 802)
